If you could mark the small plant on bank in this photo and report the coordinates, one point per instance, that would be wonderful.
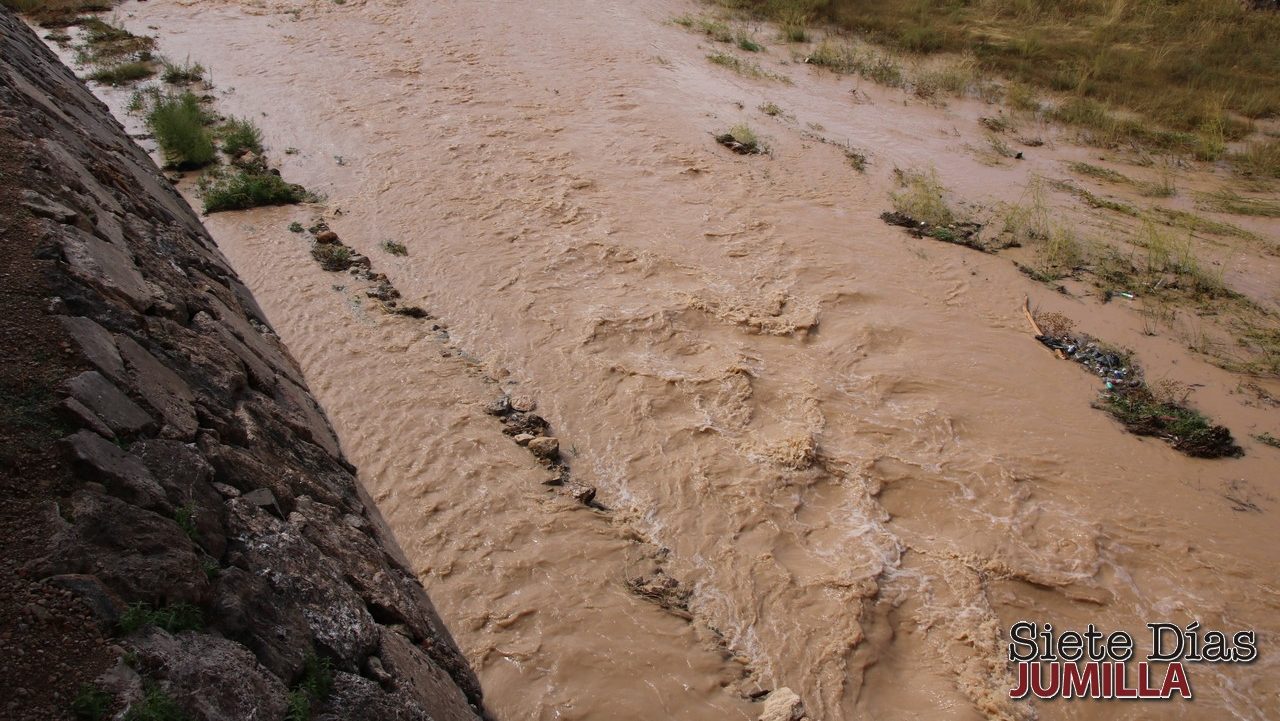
(185, 517)
(394, 247)
(922, 198)
(295, 227)
(332, 257)
(249, 187)
(156, 705)
(771, 109)
(91, 703)
(172, 618)
(240, 136)
(742, 139)
(312, 688)
(123, 74)
(183, 74)
(178, 123)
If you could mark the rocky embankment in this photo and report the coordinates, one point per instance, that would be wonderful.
(208, 526)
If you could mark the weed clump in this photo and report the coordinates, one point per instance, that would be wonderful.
(312, 688)
(331, 256)
(1225, 201)
(91, 703)
(156, 705)
(1143, 413)
(248, 187)
(123, 74)
(1158, 410)
(742, 140)
(240, 136)
(743, 67)
(394, 247)
(921, 197)
(1258, 160)
(172, 618)
(183, 74)
(178, 123)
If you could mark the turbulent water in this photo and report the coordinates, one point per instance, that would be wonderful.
(844, 441)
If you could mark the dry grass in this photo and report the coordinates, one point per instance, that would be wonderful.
(921, 196)
(1226, 201)
(1184, 75)
(744, 67)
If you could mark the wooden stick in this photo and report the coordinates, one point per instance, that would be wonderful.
(1026, 310)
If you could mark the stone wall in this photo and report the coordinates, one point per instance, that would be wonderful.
(214, 528)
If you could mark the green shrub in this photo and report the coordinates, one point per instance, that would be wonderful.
(249, 188)
(123, 74)
(91, 703)
(239, 136)
(178, 123)
(394, 247)
(183, 74)
(312, 688)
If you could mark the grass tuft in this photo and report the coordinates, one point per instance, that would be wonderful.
(314, 686)
(123, 74)
(922, 197)
(183, 74)
(249, 187)
(1225, 201)
(172, 618)
(91, 703)
(178, 123)
(394, 247)
(742, 140)
(240, 136)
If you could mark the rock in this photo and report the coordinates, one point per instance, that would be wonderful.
(123, 473)
(263, 498)
(186, 662)
(524, 404)
(110, 404)
(545, 447)
(383, 291)
(46, 208)
(355, 698)
(499, 407)
(782, 705)
(516, 423)
(410, 311)
(140, 555)
(523, 438)
(105, 605)
(373, 665)
(327, 237)
(582, 492)
(413, 670)
(163, 389)
(226, 491)
(96, 343)
(76, 412)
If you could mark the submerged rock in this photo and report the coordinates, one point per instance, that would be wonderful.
(783, 705)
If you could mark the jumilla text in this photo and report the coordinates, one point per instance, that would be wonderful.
(1092, 664)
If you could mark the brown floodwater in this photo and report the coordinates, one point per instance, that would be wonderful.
(843, 440)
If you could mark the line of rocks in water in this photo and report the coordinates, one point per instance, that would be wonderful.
(334, 256)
